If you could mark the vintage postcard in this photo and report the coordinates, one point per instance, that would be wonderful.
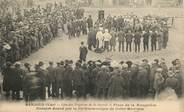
(91, 55)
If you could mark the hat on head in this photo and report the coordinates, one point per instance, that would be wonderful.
(26, 64)
(125, 65)
(58, 63)
(50, 62)
(70, 62)
(106, 63)
(89, 62)
(62, 62)
(17, 63)
(8, 63)
(66, 61)
(40, 63)
(159, 70)
(114, 64)
(82, 42)
(84, 66)
(156, 60)
(145, 60)
(129, 63)
(104, 66)
(121, 62)
(98, 63)
(77, 64)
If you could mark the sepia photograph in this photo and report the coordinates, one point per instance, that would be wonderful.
(91, 55)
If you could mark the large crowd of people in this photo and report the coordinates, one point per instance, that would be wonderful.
(129, 30)
(28, 30)
(106, 79)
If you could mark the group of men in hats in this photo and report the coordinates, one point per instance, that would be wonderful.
(125, 32)
(79, 26)
(106, 79)
(28, 30)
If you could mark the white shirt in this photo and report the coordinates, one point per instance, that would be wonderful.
(107, 36)
(99, 35)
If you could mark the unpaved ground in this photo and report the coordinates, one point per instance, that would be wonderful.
(62, 48)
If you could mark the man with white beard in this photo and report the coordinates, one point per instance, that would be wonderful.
(100, 38)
